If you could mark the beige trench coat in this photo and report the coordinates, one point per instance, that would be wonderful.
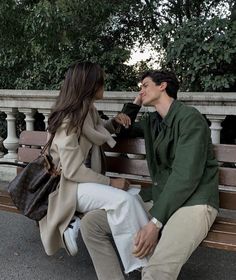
(62, 203)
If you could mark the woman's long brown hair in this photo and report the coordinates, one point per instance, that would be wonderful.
(81, 83)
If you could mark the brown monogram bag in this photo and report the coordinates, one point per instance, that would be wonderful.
(30, 189)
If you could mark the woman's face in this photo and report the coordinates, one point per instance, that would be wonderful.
(99, 93)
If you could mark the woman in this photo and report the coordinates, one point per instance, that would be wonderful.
(79, 134)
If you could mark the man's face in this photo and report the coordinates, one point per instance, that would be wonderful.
(150, 92)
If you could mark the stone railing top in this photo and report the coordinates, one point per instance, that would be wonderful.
(44, 99)
(27, 98)
(38, 94)
(217, 97)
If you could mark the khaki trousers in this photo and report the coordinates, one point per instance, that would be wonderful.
(181, 235)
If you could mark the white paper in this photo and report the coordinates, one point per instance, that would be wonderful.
(134, 189)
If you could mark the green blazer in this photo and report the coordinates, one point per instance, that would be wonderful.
(180, 158)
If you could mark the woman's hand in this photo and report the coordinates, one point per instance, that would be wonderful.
(120, 183)
(122, 119)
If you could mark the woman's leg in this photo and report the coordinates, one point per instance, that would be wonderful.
(125, 216)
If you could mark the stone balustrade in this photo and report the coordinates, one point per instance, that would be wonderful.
(215, 105)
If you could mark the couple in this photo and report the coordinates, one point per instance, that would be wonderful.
(182, 166)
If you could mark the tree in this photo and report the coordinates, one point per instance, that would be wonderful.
(196, 39)
(40, 38)
(203, 54)
(46, 36)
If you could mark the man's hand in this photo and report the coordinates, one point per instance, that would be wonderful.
(146, 240)
(122, 119)
(138, 99)
(120, 183)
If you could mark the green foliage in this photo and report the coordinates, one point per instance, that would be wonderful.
(46, 36)
(203, 54)
(40, 38)
(196, 39)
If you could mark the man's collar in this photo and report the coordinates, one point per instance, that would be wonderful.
(168, 119)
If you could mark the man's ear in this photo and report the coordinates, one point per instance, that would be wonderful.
(163, 85)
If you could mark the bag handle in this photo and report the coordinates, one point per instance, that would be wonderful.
(48, 157)
(47, 146)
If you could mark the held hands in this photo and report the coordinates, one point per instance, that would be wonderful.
(120, 183)
(146, 240)
(123, 119)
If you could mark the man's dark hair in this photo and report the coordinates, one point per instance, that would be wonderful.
(159, 76)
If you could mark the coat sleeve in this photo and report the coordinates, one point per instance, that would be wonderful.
(72, 160)
(109, 125)
(187, 167)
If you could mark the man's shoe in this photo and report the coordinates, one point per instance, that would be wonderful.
(70, 236)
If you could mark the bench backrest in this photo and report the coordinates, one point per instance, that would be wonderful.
(226, 156)
(127, 159)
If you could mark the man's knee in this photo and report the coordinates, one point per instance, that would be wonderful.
(94, 222)
(87, 222)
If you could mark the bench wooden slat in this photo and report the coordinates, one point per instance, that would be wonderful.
(37, 138)
(228, 200)
(129, 146)
(222, 223)
(5, 197)
(27, 154)
(145, 183)
(4, 193)
(6, 203)
(9, 208)
(220, 240)
(224, 228)
(227, 176)
(222, 235)
(225, 153)
(6, 200)
(127, 166)
(225, 221)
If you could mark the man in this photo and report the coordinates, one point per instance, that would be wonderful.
(185, 194)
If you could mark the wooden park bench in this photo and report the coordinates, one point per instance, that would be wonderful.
(127, 163)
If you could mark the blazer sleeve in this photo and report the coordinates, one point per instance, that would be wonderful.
(72, 160)
(135, 130)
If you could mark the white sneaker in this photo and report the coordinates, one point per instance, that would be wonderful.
(70, 236)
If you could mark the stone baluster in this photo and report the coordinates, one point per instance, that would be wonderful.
(46, 113)
(29, 118)
(11, 143)
(215, 127)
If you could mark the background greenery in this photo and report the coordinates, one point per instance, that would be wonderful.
(40, 38)
(194, 38)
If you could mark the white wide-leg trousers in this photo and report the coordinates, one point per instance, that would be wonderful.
(125, 215)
